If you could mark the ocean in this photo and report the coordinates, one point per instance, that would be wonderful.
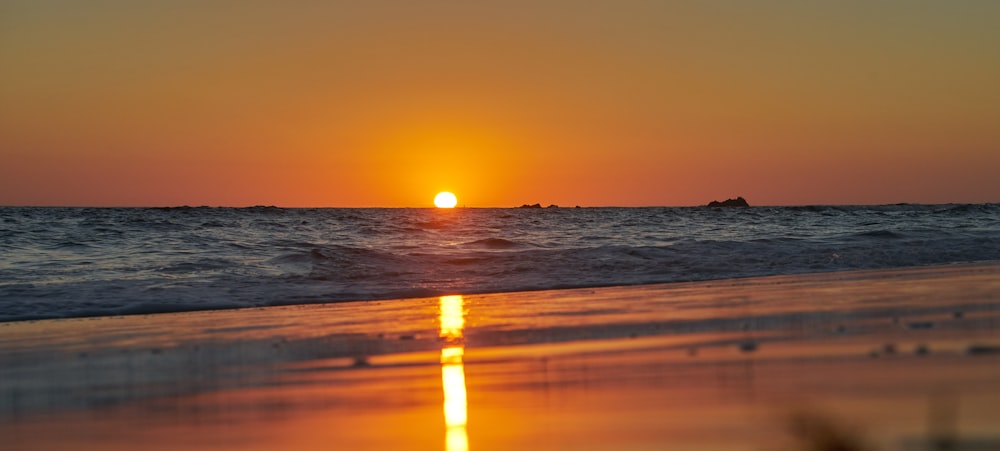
(78, 262)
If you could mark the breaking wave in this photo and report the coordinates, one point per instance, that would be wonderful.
(74, 262)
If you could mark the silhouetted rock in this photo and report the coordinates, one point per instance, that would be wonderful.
(552, 206)
(738, 202)
(531, 206)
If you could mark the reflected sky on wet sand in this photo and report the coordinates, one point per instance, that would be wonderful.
(720, 365)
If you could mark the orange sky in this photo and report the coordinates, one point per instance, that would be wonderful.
(384, 103)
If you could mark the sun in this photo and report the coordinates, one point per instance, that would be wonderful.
(445, 199)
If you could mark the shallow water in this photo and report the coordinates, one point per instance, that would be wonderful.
(72, 262)
(899, 359)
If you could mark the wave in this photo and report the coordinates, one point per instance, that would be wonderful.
(493, 243)
(965, 209)
(884, 234)
(65, 262)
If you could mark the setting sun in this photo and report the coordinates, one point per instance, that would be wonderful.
(445, 199)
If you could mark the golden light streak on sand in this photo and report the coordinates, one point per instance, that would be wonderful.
(452, 320)
(455, 407)
(452, 317)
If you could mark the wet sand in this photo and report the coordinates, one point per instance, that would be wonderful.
(892, 359)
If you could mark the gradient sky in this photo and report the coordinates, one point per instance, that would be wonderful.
(594, 103)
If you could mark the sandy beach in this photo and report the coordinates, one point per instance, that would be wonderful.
(885, 359)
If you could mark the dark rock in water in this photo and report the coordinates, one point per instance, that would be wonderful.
(361, 362)
(531, 206)
(738, 202)
(748, 345)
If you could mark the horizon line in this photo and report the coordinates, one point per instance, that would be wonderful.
(517, 207)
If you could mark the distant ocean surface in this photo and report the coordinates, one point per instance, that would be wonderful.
(74, 262)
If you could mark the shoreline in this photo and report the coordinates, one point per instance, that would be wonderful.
(144, 310)
(631, 367)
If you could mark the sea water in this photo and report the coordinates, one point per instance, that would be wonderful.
(73, 262)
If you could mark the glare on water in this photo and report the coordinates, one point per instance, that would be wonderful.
(452, 320)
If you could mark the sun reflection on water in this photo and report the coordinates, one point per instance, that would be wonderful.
(453, 373)
(452, 317)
